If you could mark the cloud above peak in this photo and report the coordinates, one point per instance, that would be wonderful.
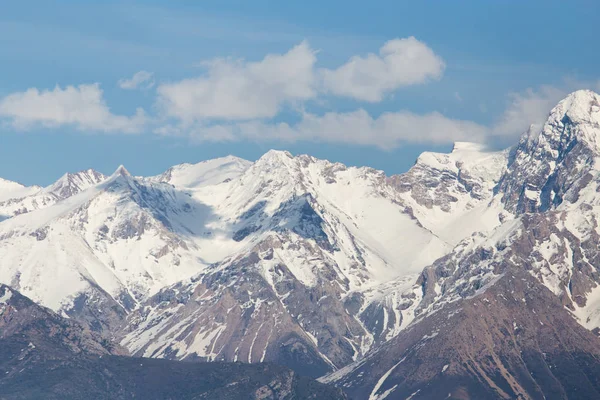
(530, 107)
(400, 62)
(387, 131)
(81, 106)
(242, 90)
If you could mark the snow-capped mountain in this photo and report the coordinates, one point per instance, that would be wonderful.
(110, 245)
(554, 164)
(548, 238)
(328, 256)
(323, 267)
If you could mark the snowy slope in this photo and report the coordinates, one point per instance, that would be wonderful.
(10, 189)
(452, 194)
(355, 204)
(208, 172)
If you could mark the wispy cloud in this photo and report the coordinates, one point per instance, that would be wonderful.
(139, 80)
(527, 108)
(81, 106)
(389, 130)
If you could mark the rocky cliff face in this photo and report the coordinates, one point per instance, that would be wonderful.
(552, 165)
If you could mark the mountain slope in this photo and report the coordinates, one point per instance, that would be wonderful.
(97, 252)
(25, 199)
(452, 194)
(513, 340)
(208, 172)
(554, 164)
(43, 355)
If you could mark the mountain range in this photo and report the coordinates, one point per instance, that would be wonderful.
(473, 275)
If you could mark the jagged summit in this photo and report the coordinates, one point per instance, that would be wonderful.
(555, 162)
(277, 154)
(579, 106)
(121, 176)
(576, 117)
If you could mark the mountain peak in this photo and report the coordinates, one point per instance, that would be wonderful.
(576, 118)
(121, 171)
(276, 159)
(277, 155)
(580, 99)
(554, 162)
(582, 106)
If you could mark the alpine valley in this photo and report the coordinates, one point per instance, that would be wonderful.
(474, 275)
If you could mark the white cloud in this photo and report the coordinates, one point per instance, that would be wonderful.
(242, 90)
(141, 79)
(389, 130)
(400, 62)
(238, 90)
(82, 106)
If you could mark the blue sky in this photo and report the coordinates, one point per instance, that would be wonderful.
(362, 83)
